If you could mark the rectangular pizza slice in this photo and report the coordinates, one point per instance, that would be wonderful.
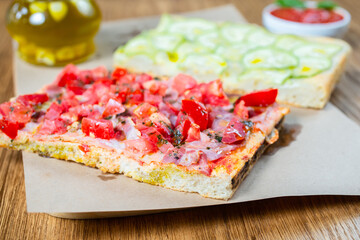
(174, 133)
(245, 56)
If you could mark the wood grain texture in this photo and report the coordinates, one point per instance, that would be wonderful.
(325, 217)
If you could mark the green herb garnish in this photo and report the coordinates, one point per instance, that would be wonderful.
(291, 3)
(327, 5)
(218, 138)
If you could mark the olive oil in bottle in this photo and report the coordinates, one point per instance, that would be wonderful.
(54, 33)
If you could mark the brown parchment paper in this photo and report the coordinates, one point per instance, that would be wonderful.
(319, 155)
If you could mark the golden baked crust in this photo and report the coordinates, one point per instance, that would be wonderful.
(220, 185)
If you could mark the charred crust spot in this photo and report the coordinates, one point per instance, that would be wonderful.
(235, 182)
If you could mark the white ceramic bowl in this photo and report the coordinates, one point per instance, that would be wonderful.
(278, 25)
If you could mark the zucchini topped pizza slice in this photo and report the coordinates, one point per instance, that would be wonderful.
(246, 57)
(175, 133)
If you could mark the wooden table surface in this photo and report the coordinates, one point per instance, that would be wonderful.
(322, 217)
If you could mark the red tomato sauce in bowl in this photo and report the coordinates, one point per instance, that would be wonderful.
(308, 15)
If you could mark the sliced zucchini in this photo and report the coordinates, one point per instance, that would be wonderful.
(166, 42)
(191, 28)
(288, 42)
(236, 51)
(203, 63)
(232, 72)
(210, 39)
(235, 33)
(189, 48)
(142, 62)
(139, 45)
(165, 21)
(261, 37)
(166, 62)
(266, 58)
(271, 76)
(119, 55)
(317, 50)
(311, 66)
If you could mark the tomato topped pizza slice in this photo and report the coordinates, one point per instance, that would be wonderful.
(174, 132)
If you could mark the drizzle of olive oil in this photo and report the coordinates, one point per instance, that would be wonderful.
(54, 33)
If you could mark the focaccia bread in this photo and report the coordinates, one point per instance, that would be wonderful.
(176, 133)
(245, 56)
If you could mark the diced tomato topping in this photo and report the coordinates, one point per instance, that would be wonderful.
(154, 118)
(203, 166)
(212, 117)
(166, 147)
(104, 81)
(140, 124)
(123, 93)
(262, 98)
(118, 73)
(120, 135)
(113, 107)
(68, 74)
(141, 146)
(69, 102)
(193, 133)
(254, 111)
(85, 148)
(99, 92)
(100, 128)
(9, 128)
(194, 94)
(83, 110)
(38, 116)
(183, 82)
(168, 111)
(155, 87)
(183, 124)
(172, 108)
(55, 126)
(86, 76)
(16, 112)
(136, 97)
(197, 112)
(54, 111)
(76, 87)
(157, 138)
(213, 93)
(99, 72)
(89, 76)
(70, 117)
(142, 78)
(234, 132)
(33, 99)
(152, 98)
(182, 116)
(144, 110)
(128, 79)
(88, 126)
(162, 124)
(74, 79)
(241, 110)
